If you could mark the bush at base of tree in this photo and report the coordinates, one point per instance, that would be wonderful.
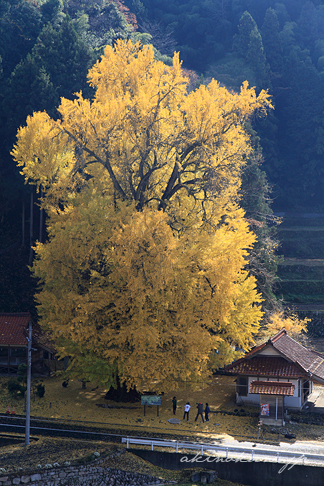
(121, 394)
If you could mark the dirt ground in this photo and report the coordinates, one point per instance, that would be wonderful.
(76, 404)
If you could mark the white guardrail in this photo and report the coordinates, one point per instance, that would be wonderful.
(233, 453)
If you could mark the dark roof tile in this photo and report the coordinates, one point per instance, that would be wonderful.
(265, 366)
(299, 360)
(13, 329)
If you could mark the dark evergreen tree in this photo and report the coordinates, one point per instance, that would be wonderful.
(307, 32)
(57, 66)
(44, 58)
(248, 44)
(32, 78)
(20, 24)
(256, 58)
(52, 11)
(65, 56)
(106, 22)
(272, 42)
(263, 259)
(242, 39)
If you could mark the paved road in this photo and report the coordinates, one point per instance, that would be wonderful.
(298, 452)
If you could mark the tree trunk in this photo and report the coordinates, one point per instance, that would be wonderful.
(23, 224)
(31, 227)
(41, 219)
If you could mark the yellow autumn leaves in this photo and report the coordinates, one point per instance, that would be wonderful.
(144, 267)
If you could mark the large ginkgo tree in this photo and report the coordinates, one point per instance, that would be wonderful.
(143, 275)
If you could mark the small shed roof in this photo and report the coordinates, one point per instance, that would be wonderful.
(272, 388)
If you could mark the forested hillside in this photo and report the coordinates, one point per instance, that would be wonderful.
(275, 45)
(48, 47)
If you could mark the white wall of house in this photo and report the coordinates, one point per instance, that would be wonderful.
(250, 398)
(294, 401)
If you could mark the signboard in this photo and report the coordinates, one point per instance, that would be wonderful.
(150, 400)
(265, 409)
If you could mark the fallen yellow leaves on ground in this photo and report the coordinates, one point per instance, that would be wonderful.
(76, 404)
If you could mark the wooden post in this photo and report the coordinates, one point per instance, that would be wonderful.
(157, 411)
(27, 428)
(144, 410)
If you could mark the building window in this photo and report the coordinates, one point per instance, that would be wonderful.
(242, 386)
(17, 356)
(3, 356)
(18, 352)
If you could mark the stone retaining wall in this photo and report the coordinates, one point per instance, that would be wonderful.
(88, 475)
(252, 473)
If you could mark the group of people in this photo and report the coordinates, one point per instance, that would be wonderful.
(200, 410)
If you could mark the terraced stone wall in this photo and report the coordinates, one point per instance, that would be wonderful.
(301, 274)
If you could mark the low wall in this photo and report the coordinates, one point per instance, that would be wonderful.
(247, 473)
(89, 475)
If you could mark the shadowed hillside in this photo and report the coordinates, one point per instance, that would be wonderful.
(301, 274)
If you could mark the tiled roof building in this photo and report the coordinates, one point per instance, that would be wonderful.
(13, 343)
(278, 373)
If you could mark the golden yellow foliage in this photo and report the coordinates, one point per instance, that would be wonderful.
(291, 322)
(143, 274)
(153, 141)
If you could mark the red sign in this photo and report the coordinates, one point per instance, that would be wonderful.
(265, 409)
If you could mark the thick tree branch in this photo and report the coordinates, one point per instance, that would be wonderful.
(105, 163)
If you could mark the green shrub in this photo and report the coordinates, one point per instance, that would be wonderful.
(40, 390)
(15, 389)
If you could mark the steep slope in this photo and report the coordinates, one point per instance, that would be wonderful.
(301, 274)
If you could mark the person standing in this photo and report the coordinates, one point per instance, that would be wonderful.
(207, 410)
(186, 411)
(174, 405)
(200, 408)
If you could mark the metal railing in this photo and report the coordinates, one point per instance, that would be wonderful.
(230, 452)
